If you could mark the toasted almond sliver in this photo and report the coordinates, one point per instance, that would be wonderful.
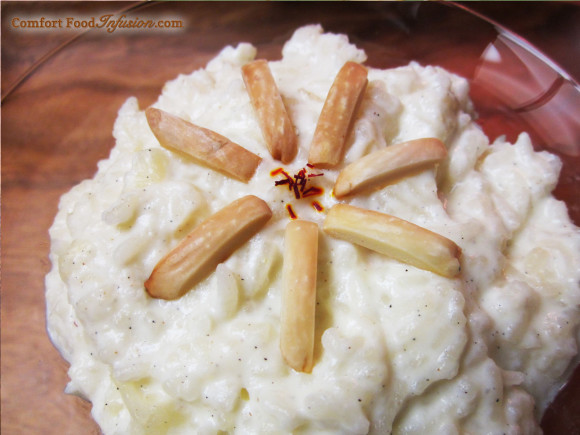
(394, 237)
(205, 146)
(389, 164)
(273, 118)
(299, 295)
(208, 245)
(336, 118)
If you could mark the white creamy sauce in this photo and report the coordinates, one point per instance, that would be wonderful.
(397, 349)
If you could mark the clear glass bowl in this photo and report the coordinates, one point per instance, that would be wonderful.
(61, 91)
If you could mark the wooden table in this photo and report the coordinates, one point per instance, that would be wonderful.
(57, 120)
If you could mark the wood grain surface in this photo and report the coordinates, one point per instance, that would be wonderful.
(61, 90)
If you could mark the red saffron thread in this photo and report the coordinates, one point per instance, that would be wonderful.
(291, 211)
(276, 171)
(313, 191)
(317, 206)
(298, 186)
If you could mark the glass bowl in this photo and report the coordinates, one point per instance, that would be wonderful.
(61, 89)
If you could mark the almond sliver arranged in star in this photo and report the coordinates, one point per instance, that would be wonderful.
(205, 146)
(297, 318)
(208, 245)
(269, 108)
(337, 115)
(395, 238)
(389, 164)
